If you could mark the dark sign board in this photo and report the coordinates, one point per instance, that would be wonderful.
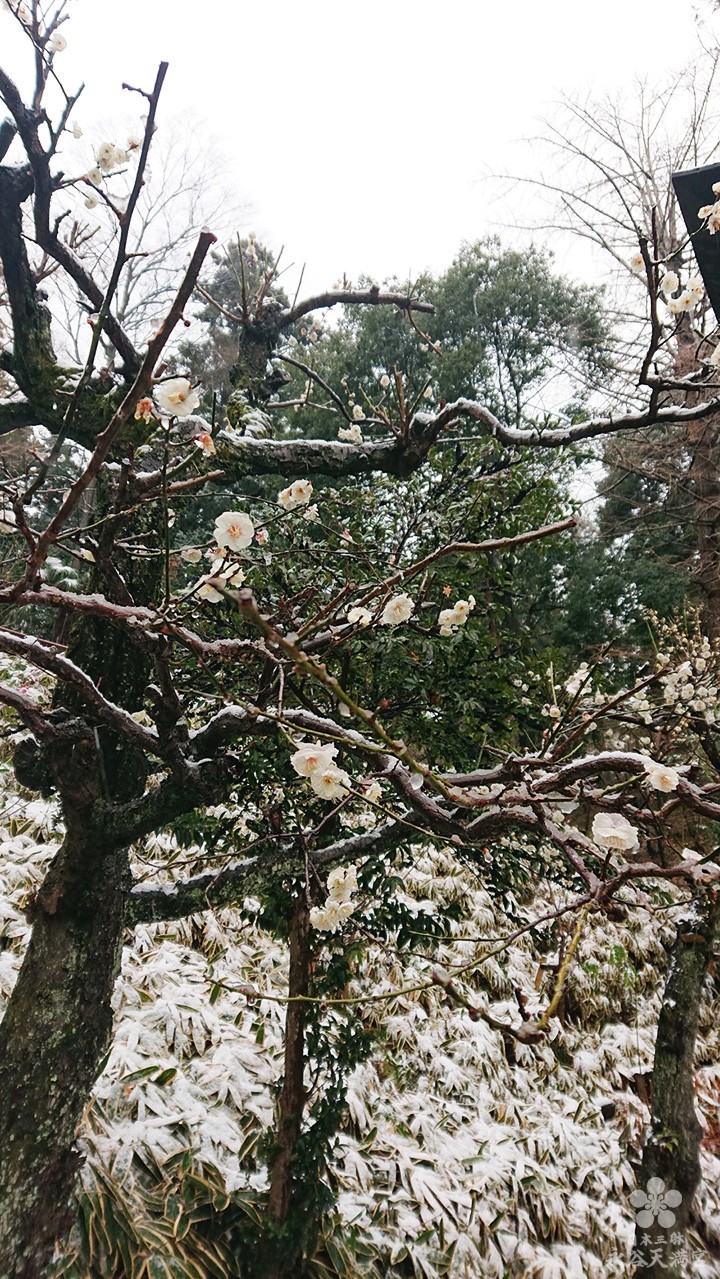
(694, 189)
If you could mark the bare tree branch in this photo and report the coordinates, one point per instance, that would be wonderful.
(349, 297)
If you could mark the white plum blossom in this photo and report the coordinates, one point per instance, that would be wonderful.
(359, 413)
(578, 680)
(637, 264)
(710, 213)
(359, 616)
(191, 554)
(311, 514)
(669, 282)
(328, 918)
(342, 882)
(399, 609)
(661, 777)
(384, 381)
(57, 42)
(351, 434)
(91, 201)
(687, 300)
(176, 397)
(614, 831)
(296, 494)
(311, 756)
(208, 592)
(230, 574)
(451, 618)
(234, 529)
(109, 157)
(94, 176)
(330, 782)
(220, 575)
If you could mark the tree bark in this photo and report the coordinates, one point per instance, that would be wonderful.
(284, 1259)
(670, 1171)
(53, 1038)
(57, 1026)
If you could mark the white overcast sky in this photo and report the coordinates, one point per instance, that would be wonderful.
(360, 135)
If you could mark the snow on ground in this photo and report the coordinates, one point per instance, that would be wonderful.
(458, 1155)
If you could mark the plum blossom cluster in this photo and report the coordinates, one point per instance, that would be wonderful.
(579, 681)
(613, 831)
(224, 574)
(339, 905)
(316, 762)
(690, 689)
(691, 295)
(639, 704)
(351, 434)
(109, 157)
(233, 532)
(296, 494)
(710, 213)
(452, 618)
(687, 299)
(398, 609)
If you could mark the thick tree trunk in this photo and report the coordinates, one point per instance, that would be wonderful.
(57, 1026)
(53, 1038)
(670, 1172)
(284, 1257)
